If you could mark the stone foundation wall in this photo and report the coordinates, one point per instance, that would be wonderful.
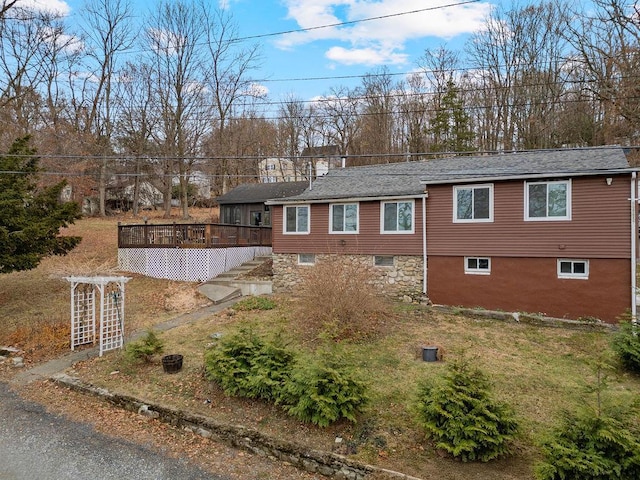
(402, 280)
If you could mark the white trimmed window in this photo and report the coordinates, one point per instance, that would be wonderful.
(306, 259)
(569, 268)
(397, 217)
(548, 200)
(343, 218)
(296, 219)
(473, 203)
(477, 265)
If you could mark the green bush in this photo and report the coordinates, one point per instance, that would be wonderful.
(245, 365)
(626, 344)
(320, 391)
(254, 303)
(458, 413)
(324, 390)
(145, 348)
(588, 445)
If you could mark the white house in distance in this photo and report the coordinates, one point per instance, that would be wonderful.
(275, 170)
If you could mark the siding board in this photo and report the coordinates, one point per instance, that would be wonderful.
(369, 240)
(600, 226)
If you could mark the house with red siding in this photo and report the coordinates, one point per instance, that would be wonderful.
(547, 231)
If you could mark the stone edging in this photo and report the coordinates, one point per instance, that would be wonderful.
(238, 436)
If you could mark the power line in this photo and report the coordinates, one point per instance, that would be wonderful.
(317, 27)
(353, 22)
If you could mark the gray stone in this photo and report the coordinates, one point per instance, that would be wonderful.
(18, 362)
(145, 411)
(7, 351)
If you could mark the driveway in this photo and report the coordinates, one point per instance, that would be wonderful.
(37, 444)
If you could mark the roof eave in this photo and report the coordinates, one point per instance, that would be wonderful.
(290, 201)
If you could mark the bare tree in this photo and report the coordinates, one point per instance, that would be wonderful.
(293, 121)
(338, 114)
(136, 123)
(607, 41)
(378, 119)
(21, 60)
(412, 114)
(229, 66)
(520, 71)
(176, 33)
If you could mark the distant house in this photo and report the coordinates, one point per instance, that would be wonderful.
(245, 204)
(149, 195)
(274, 170)
(548, 232)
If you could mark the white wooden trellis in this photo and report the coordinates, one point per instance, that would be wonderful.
(109, 300)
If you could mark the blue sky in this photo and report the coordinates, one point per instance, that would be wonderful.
(355, 49)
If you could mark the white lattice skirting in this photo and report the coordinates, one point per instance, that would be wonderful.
(186, 264)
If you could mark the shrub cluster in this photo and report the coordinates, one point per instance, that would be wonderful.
(589, 445)
(459, 415)
(626, 344)
(245, 365)
(322, 390)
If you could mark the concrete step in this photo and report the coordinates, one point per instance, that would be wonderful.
(218, 293)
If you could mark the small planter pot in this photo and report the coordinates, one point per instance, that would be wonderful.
(172, 363)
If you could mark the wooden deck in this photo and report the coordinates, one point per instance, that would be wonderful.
(192, 235)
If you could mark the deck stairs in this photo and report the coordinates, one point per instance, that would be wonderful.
(230, 285)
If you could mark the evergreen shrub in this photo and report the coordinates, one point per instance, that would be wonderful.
(246, 365)
(325, 389)
(589, 446)
(626, 344)
(458, 413)
(145, 348)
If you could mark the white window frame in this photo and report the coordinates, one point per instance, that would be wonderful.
(572, 274)
(376, 264)
(477, 270)
(473, 188)
(297, 231)
(306, 262)
(397, 231)
(547, 218)
(344, 232)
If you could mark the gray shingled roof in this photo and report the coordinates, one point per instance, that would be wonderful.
(410, 178)
(261, 192)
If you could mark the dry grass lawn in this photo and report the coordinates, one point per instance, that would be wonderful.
(538, 370)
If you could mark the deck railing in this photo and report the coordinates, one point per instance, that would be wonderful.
(192, 235)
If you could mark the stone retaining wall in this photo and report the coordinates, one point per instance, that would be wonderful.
(315, 461)
(402, 280)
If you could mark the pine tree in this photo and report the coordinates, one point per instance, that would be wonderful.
(451, 125)
(30, 217)
(460, 416)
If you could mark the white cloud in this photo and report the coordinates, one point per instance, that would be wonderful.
(225, 4)
(380, 41)
(365, 56)
(59, 7)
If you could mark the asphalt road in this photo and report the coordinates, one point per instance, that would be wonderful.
(35, 444)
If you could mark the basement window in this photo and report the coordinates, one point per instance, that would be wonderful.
(306, 259)
(383, 260)
(477, 265)
(568, 268)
